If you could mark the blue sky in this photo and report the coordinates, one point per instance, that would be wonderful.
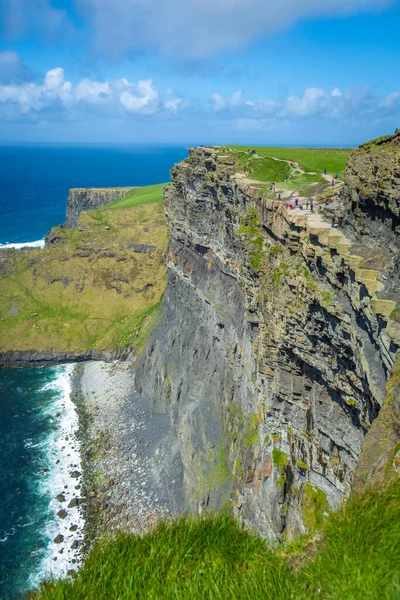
(315, 72)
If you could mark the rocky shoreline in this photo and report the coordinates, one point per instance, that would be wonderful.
(129, 478)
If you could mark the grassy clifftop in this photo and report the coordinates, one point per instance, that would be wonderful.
(96, 287)
(294, 170)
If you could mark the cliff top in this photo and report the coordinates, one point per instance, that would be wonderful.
(385, 143)
(91, 288)
(294, 172)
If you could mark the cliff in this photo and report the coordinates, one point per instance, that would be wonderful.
(81, 199)
(92, 292)
(278, 339)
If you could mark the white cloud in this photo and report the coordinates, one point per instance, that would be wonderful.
(144, 100)
(221, 103)
(174, 103)
(57, 97)
(198, 28)
(332, 105)
(310, 103)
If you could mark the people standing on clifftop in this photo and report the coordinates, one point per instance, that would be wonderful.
(296, 202)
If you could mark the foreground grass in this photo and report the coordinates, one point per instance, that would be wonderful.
(358, 559)
(97, 288)
(145, 195)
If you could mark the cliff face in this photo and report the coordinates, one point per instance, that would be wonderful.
(275, 346)
(81, 199)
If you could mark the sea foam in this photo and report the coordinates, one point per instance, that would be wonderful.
(19, 246)
(63, 452)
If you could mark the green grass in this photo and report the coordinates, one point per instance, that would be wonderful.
(309, 159)
(90, 290)
(143, 195)
(356, 557)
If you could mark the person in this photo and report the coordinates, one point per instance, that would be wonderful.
(279, 197)
(307, 204)
(333, 222)
(296, 202)
(336, 219)
(312, 206)
(337, 176)
(333, 182)
(324, 171)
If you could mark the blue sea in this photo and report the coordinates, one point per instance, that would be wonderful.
(34, 181)
(38, 421)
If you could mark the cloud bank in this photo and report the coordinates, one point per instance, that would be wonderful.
(190, 29)
(201, 28)
(361, 105)
(54, 99)
(57, 99)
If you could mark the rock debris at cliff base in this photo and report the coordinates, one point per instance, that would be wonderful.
(132, 477)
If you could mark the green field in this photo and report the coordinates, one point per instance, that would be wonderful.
(97, 288)
(289, 168)
(356, 556)
(145, 195)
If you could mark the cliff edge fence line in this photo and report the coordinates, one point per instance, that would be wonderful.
(276, 356)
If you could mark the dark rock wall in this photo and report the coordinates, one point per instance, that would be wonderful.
(271, 357)
(81, 199)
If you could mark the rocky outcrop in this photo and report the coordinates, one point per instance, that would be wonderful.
(81, 199)
(372, 191)
(275, 346)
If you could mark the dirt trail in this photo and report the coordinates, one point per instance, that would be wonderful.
(295, 170)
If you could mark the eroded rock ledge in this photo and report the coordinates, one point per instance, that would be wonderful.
(275, 347)
(80, 199)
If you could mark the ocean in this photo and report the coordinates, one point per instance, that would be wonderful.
(34, 181)
(38, 422)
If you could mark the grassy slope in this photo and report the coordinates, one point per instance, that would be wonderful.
(267, 169)
(145, 195)
(358, 559)
(89, 290)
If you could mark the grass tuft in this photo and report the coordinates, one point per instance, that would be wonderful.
(214, 558)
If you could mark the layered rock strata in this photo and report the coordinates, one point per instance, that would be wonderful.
(275, 347)
(81, 199)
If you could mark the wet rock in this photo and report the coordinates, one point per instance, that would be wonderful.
(60, 498)
(75, 474)
(62, 514)
(58, 539)
(74, 502)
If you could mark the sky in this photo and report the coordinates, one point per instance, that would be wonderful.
(289, 72)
